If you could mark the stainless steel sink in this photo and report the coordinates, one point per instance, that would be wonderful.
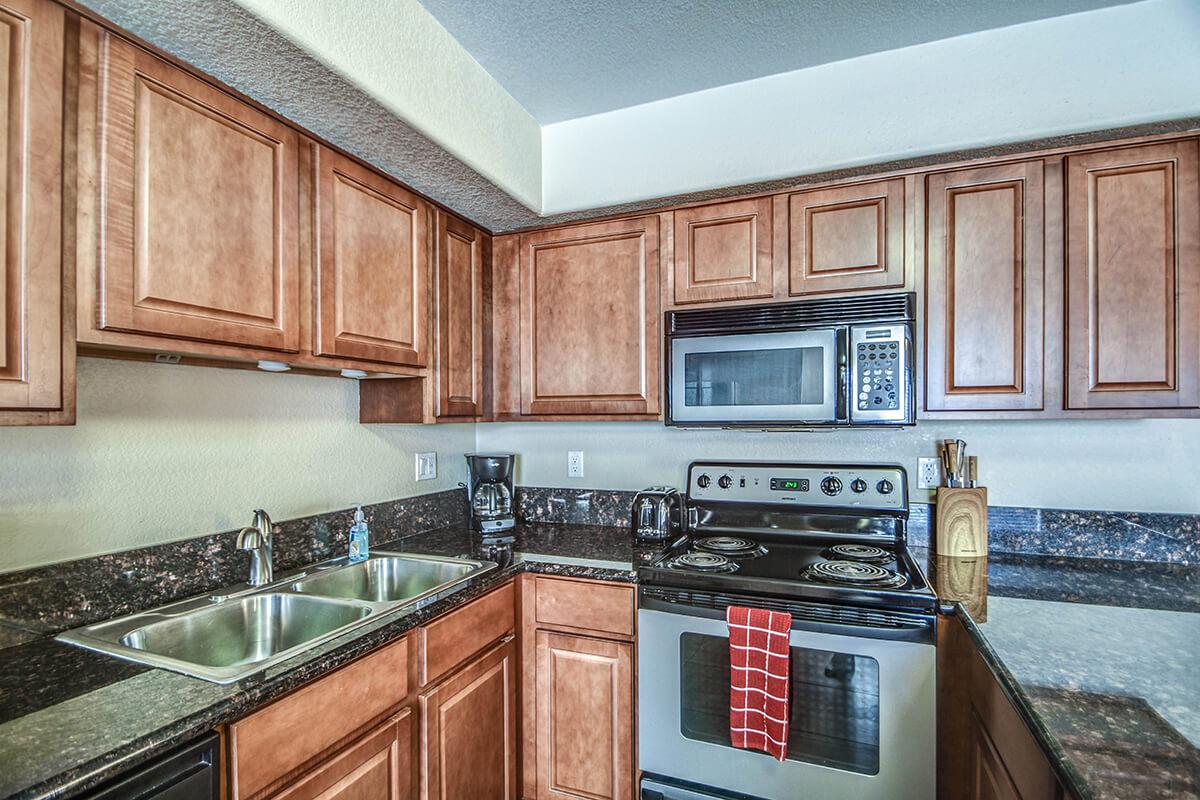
(232, 634)
(387, 578)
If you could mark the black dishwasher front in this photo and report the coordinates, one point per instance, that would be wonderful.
(190, 773)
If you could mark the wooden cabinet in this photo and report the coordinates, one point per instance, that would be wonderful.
(197, 206)
(846, 238)
(469, 731)
(723, 252)
(37, 348)
(371, 280)
(578, 688)
(589, 319)
(1133, 278)
(450, 640)
(461, 260)
(584, 711)
(984, 313)
(379, 766)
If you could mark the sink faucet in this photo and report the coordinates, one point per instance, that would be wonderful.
(257, 539)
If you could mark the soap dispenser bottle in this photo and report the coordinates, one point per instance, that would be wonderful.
(359, 544)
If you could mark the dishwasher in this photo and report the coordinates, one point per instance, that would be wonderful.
(190, 773)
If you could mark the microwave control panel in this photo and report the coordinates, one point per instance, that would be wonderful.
(879, 356)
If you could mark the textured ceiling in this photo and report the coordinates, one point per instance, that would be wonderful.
(571, 58)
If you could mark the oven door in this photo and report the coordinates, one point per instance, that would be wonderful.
(862, 712)
(758, 378)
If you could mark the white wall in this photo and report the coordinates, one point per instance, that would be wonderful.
(161, 453)
(395, 51)
(1111, 67)
(1127, 465)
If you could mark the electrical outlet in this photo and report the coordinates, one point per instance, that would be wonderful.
(426, 466)
(574, 463)
(929, 473)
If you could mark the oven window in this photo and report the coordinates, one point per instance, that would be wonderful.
(834, 704)
(768, 377)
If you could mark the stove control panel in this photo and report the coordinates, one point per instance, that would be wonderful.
(869, 486)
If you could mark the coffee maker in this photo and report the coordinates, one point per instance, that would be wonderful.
(490, 492)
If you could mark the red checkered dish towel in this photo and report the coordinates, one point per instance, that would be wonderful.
(759, 658)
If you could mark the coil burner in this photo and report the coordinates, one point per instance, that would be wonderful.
(731, 546)
(702, 562)
(853, 573)
(859, 552)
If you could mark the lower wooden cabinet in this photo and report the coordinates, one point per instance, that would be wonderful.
(469, 731)
(584, 717)
(379, 766)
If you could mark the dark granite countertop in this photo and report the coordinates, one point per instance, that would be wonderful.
(71, 719)
(1100, 657)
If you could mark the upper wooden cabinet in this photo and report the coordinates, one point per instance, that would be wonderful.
(371, 278)
(984, 320)
(469, 731)
(846, 238)
(1133, 278)
(589, 319)
(198, 206)
(460, 311)
(36, 340)
(723, 252)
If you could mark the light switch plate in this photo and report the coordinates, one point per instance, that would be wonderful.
(426, 466)
(574, 463)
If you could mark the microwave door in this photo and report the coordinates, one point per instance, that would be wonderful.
(757, 377)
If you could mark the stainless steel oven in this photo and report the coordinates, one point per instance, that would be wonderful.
(862, 705)
(827, 362)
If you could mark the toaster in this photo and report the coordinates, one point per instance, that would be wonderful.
(657, 514)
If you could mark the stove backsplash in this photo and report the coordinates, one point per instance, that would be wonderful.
(1121, 535)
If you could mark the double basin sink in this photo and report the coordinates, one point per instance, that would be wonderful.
(224, 638)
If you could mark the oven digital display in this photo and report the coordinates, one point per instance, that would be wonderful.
(789, 484)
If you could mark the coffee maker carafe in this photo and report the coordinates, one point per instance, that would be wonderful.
(490, 492)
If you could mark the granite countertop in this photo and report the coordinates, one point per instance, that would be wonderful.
(1099, 657)
(71, 719)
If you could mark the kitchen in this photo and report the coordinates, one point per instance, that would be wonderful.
(269, 263)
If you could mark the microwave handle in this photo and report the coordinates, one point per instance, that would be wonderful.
(845, 390)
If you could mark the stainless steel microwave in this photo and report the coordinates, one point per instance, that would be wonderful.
(811, 363)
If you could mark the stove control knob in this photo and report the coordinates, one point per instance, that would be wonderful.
(703, 481)
(831, 486)
(858, 486)
(725, 481)
(884, 486)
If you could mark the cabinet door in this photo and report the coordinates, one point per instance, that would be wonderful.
(846, 238)
(379, 766)
(723, 252)
(469, 731)
(372, 265)
(199, 213)
(1133, 278)
(584, 717)
(31, 154)
(989, 777)
(459, 318)
(984, 323)
(589, 319)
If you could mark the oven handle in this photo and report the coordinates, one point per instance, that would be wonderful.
(806, 616)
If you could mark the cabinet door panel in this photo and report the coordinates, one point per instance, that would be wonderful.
(372, 267)
(1133, 278)
(589, 319)
(460, 318)
(989, 776)
(583, 683)
(846, 238)
(198, 203)
(379, 766)
(31, 153)
(723, 252)
(469, 731)
(984, 328)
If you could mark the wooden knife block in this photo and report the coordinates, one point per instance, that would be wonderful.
(961, 523)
